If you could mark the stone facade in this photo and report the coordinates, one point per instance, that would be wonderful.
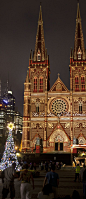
(56, 116)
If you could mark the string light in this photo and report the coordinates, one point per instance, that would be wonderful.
(9, 155)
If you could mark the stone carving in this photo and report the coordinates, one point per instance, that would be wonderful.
(33, 125)
(42, 100)
(41, 125)
(59, 138)
(50, 115)
(58, 87)
(81, 140)
(34, 114)
(67, 125)
(33, 100)
(56, 133)
(84, 124)
(37, 104)
(50, 125)
(76, 124)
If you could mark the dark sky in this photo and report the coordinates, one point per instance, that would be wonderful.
(18, 27)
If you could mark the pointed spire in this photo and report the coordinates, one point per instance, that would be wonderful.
(40, 13)
(78, 11)
(79, 39)
(39, 53)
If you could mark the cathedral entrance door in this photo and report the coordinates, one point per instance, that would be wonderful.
(61, 146)
(56, 146)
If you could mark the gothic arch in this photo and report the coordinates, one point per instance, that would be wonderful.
(59, 133)
(81, 140)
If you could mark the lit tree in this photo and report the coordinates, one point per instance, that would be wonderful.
(9, 155)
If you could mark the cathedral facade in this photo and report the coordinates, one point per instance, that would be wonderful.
(54, 119)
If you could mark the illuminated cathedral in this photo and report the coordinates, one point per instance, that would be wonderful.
(54, 119)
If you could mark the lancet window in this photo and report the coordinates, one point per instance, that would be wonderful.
(82, 83)
(41, 84)
(35, 84)
(76, 83)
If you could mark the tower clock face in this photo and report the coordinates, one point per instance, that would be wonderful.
(59, 106)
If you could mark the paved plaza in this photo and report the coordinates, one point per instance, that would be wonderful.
(66, 184)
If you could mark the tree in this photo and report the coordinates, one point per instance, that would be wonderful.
(9, 155)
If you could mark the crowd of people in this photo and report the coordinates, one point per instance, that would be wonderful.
(50, 184)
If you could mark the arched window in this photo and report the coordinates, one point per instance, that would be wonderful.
(37, 109)
(79, 53)
(82, 83)
(76, 83)
(80, 107)
(41, 84)
(38, 55)
(35, 84)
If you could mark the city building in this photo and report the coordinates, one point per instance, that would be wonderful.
(55, 116)
(2, 118)
(10, 106)
(18, 128)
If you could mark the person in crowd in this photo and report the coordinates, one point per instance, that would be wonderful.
(41, 166)
(77, 172)
(75, 195)
(81, 173)
(53, 180)
(84, 183)
(25, 188)
(8, 182)
(46, 166)
(34, 166)
(45, 193)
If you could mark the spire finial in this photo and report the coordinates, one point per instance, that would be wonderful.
(58, 75)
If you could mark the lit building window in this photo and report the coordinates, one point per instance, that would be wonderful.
(37, 109)
(82, 83)
(79, 56)
(76, 83)
(41, 84)
(38, 55)
(80, 107)
(79, 53)
(35, 84)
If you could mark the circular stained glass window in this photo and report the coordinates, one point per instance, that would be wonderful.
(59, 106)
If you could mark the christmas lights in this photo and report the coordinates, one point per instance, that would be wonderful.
(9, 155)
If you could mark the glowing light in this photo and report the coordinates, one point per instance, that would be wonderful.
(5, 101)
(10, 126)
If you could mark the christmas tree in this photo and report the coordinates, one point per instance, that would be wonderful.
(9, 155)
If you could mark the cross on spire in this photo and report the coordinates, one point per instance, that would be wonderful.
(58, 75)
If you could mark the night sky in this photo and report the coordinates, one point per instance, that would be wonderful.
(18, 28)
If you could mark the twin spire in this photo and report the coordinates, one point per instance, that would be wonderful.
(40, 53)
(79, 49)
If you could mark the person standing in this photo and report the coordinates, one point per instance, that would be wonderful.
(84, 183)
(53, 180)
(8, 182)
(81, 173)
(25, 188)
(77, 172)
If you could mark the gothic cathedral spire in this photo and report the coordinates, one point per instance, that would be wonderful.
(79, 49)
(39, 53)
